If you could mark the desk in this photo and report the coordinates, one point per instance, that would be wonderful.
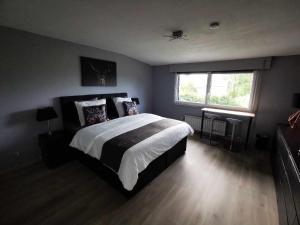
(248, 115)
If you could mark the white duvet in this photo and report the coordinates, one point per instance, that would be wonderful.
(91, 139)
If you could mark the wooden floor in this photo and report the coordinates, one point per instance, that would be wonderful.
(205, 186)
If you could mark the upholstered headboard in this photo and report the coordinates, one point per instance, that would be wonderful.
(69, 112)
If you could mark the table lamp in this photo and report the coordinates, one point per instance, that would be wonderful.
(44, 114)
(136, 100)
(295, 116)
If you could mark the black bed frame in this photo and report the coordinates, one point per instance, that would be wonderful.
(70, 117)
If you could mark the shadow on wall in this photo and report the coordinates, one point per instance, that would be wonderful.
(21, 138)
(27, 118)
(21, 118)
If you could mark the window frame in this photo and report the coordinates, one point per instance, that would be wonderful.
(252, 101)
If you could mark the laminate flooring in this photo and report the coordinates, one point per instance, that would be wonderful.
(208, 186)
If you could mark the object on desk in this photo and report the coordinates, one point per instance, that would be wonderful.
(44, 114)
(234, 123)
(295, 116)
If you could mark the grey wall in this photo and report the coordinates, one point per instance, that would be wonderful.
(274, 106)
(34, 70)
(278, 86)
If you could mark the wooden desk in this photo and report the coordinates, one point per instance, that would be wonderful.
(248, 115)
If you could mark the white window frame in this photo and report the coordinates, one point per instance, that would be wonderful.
(252, 101)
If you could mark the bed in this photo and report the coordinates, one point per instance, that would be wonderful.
(127, 152)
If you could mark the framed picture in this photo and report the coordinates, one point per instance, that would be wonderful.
(96, 72)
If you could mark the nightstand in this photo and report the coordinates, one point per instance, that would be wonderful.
(55, 148)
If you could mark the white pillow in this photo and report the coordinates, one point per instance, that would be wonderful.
(79, 106)
(119, 105)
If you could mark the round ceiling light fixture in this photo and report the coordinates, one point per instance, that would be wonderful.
(214, 25)
(176, 35)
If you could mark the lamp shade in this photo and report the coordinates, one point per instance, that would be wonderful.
(136, 100)
(46, 113)
(296, 100)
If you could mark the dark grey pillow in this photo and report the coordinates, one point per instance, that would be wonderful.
(130, 108)
(94, 114)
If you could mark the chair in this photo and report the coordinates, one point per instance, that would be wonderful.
(212, 118)
(234, 123)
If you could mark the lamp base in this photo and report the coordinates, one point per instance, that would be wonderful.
(293, 119)
(49, 130)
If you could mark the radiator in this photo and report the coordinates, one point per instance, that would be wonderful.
(219, 127)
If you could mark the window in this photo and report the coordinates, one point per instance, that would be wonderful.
(192, 87)
(233, 90)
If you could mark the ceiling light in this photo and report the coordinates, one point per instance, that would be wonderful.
(214, 25)
(176, 35)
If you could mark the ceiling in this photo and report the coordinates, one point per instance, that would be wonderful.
(249, 28)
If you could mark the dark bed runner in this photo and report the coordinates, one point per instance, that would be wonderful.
(113, 149)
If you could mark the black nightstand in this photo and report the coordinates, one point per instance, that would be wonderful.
(55, 148)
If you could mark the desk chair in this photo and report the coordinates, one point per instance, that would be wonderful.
(212, 118)
(235, 123)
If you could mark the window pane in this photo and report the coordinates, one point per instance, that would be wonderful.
(192, 87)
(231, 89)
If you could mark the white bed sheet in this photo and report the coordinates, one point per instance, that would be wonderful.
(91, 139)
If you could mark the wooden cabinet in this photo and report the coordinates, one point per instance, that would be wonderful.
(287, 176)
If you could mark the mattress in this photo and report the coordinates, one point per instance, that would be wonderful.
(127, 145)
